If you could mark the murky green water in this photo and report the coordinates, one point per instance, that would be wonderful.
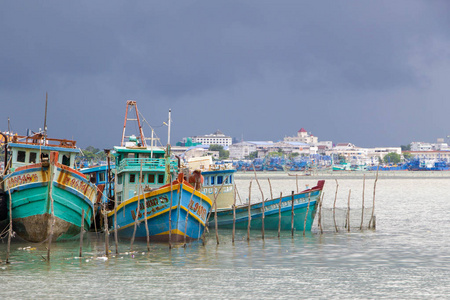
(406, 257)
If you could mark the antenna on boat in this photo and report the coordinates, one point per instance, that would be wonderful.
(170, 121)
(45, 119)
(131, 104)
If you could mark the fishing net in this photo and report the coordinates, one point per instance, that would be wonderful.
(342, 218)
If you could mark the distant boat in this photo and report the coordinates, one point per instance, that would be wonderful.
(43, 184)
(304, 207)
(146, 192)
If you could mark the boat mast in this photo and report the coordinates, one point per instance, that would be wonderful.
(131, 104)
(170, 121)
(45, 118)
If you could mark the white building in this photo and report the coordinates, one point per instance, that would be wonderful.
(241, 150)
(302, 137)
(216, 138)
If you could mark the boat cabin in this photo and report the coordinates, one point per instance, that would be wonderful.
(131, 161)
(27, 154)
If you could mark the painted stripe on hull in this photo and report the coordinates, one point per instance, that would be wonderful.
(184, 203)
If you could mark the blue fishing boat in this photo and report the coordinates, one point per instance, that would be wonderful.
(303, 206)
(46, 193)
(149, 200)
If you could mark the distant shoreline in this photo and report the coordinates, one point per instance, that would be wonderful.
(345, 175)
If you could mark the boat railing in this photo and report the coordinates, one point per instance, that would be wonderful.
(39, 139)
(147, 163)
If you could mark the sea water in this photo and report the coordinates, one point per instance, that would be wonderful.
(407, 256)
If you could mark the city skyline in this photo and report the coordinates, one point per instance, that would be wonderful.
(369, 73)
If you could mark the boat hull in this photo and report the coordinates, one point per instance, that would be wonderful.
(32, 190)
(167, 208)
(305, 204)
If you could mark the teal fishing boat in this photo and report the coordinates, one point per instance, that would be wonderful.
(149, 202)
(47, 195)
(277, 212)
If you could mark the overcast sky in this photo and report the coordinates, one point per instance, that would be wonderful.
(373, 73)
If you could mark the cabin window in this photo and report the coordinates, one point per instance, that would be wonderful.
(66, 160)
(119, 198)
(32, 158)
(219, 179)
(119, 179)
(161, 178)
(206, 180)
(132, 178)
(212, 180)
(231, 179)
(92, 178)
(21, 156)
(101, 177)
(151, 178)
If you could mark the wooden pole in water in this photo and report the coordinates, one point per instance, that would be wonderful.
(249, 215)
(279, 214)
(320, 213)
(362, 206)
(237, 192)
(234, 216)
(306, 216)
(136, 220)
(262, 218)
(81, 232)
(372, 218)
(116, 239)
(52, 214)
(270, 185)
(296, 181)
(170, 214)
(334, 206)
(10, 226)
(348, 210)
(105, 218)
(187, 215)
(292, 213)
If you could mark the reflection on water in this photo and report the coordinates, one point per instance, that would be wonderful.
(405, 257)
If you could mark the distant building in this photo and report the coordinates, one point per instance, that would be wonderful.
(216, 138)
(302, 137)
(241, 150)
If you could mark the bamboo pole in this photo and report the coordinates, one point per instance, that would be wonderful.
(239, 196)
(292, 213)
(262, 218)
(306, 216)
(279, 214)
(52, 213)
(170, 214)
(320, 213)
(136, 220)
(81, 232)
(348, 210)
(10, 226)
(234, 217)
(187, 215)
(141, 190)
(249, 215)
(296, 181)
(116, 239)
(372, 218)
(105, 217)
(362, 206)
(270, 185)
(334, 206)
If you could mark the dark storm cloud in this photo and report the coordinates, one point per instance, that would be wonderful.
(262, 69)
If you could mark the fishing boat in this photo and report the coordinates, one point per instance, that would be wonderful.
(301, 206)
(218, 179)
(152, 197)
(47, 195)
